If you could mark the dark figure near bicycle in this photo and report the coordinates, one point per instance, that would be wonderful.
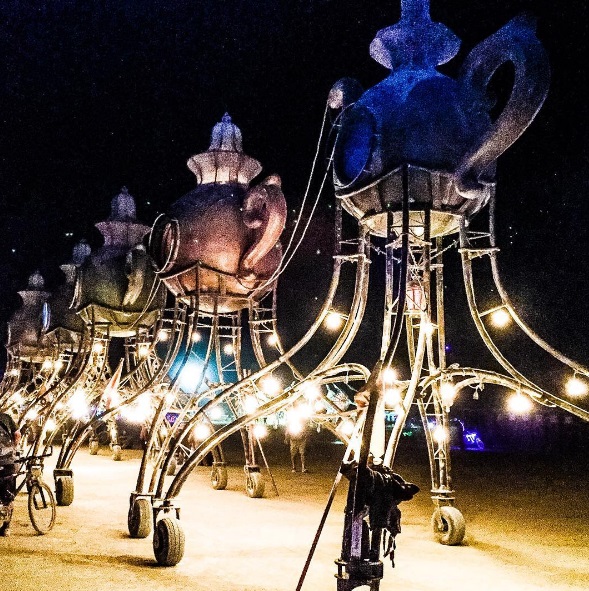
(9, 440)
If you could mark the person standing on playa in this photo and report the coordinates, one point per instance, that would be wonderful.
(297, 434)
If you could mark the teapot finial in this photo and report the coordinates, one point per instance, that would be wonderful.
(414, 40)
(226, 136)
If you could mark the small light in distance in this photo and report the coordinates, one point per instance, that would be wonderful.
(272, 339)
(447, 393)
(228, 349)
(163, 335)
(196, 337)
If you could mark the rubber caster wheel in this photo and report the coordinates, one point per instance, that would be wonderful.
(168, 542)
(219, 477)
(172, 467)
(64, 490)
(448, 525)
(139, 518)
(254, 485)
(93, 447)
(117, 454)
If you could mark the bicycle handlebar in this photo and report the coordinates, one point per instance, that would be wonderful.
(47, 453)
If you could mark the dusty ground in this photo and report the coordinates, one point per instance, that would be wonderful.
(527, 529)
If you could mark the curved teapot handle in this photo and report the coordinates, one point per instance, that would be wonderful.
(135, 268)
(517, 43)
(264, 207)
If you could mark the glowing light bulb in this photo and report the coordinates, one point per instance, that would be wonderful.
(97, 348)
(440, 434)
(196, 337)
(272, 339)
(311, 391)
(429, 328)
(389, 375)
(163, 335)
(346, 427)
(31, 415)
(201, 432)
(50, 425)
(250, 404)
(58, 364)
(228, 349)
(260, 430)
(333, 320)
(47, 365)
(576, 387)
(216, 413)
(270, 385)
(519, 404)
(500, 318)
(143, 350)
(392, 397)
(447, 393)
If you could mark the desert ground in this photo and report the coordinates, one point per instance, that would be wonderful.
(527, 521)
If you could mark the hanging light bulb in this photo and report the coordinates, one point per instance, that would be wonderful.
(143, 350)
(389, 375)
(576, 387)
(272, 339)
(260, 430)
(228, 349)
(500, 318)
(250, 404)
(97, 348)
(447, 394)
(163, 335)
(519, 404)
(311, 391)
(196, 337)
(270, 385)
(392, 397)
(440, 434)
(201, 432)
(333, 320)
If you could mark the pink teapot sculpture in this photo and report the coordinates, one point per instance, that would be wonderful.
(220, 241)
(443, 129)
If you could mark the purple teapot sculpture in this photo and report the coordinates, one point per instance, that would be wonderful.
(439, 126)
(220, 241)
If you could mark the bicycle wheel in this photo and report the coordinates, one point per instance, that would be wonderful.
(41, 507)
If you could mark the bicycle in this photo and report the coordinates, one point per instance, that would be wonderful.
(41, 501)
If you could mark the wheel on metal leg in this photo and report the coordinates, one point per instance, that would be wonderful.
(116, 453)
(41, 507)
(139, 518)
(219, 477)
(254, 485)
(64, 490)
(168, 541)
(448, 525)
(93, 447)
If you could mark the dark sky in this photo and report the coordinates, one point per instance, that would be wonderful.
(97, 95)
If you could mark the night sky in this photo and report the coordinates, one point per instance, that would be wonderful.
(99, 95)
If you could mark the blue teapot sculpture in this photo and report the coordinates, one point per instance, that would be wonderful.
(439, 126)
